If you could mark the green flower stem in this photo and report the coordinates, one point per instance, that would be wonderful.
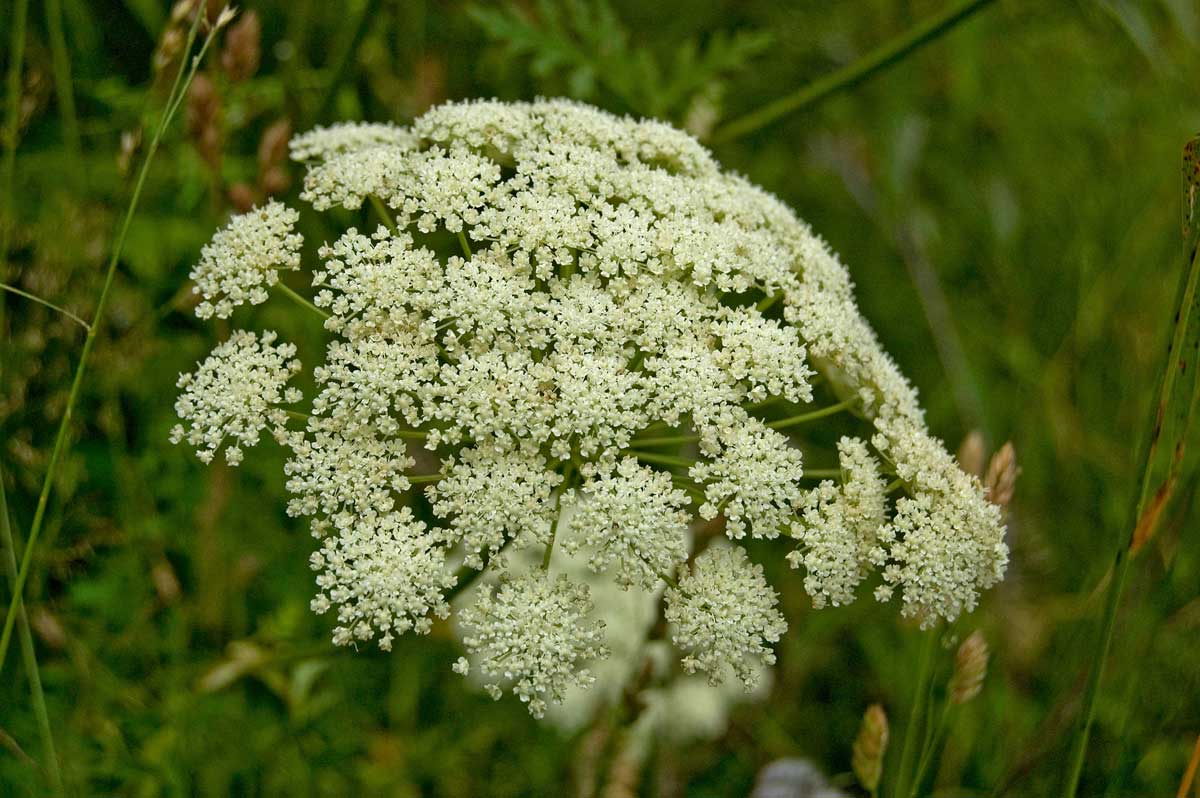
(384, 214)
(895, 483)
(852, 74)
(933, 743)
(767, 302)
(665, 440)
(916, 718)
(12, 289)
(804, 418)
(29, 654)
(423, 479)
(466, 246)
(661, 459)
(823, 473)
(182, 80)
(300, 300)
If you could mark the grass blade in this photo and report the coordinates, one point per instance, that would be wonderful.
(1162, 452)
(187, 70)
(29, 653)
(852, 74)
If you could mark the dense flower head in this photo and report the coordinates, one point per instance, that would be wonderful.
(243, 260)
(838, 527)
(545, 313)
(235, 394)
(533, 633)
(724, 616)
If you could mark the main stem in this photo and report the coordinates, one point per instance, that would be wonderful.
(916, 717)
(60, 440)
(875, 61)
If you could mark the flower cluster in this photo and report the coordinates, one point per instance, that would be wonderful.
(724, 616)
(244, 259)
(235, 394)
(534, 631)
(542, 312)
(839, 526)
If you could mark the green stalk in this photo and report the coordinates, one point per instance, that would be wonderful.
(868, 65)
(933, 742)
(664, 440)
(1161, 456)
(12, 121)
(916, 718)
(804, 418)
(661, 459)
(63, 88)
(383, 213)
(28, 653)
(462, 240)
(300, 300)
(182, 80)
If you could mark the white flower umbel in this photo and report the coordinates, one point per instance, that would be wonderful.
(386, 575)
(532, 633)
(554, 308)
(838, 527)
(235, 394)
(724, 617)
(945, 547)
(633, 517)
(753, 480)
(244, 259)
(491, 496)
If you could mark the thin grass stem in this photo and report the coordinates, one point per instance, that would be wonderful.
(63, 86)
(182, 80)
(854, 73)
(12, 289)
(29, 653)
(12, 122)
(1165, 436)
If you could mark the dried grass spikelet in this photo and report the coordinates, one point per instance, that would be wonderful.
(273, 176)
(1002, 475)
(970, 668)
(869, 748)
(972, 453)
(204, 119)
(242, 53)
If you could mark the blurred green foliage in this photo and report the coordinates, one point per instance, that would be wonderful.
(1008, 200)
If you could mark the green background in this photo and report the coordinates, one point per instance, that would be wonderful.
(1008, 200)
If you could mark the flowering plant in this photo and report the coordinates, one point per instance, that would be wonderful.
(594, 338)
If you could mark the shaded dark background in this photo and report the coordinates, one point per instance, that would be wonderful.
(1007, 199)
